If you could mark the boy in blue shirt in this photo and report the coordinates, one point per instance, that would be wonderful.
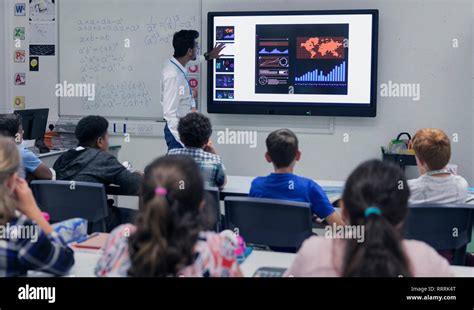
(283, 152)
(31, 166)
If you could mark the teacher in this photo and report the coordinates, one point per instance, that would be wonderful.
(177, 96)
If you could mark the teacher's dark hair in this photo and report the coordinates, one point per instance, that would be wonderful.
(382, 185)
(184, 40)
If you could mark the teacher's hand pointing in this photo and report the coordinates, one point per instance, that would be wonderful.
(215, 52)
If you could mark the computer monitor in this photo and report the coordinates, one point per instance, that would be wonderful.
(34, 123)
(294, 63)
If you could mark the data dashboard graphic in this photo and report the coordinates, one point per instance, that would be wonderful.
(338, 74)
(302, 58)
(225, 81)
(225, 33)
(225, 65)
(320, 48)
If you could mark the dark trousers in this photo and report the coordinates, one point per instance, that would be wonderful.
(171, 141)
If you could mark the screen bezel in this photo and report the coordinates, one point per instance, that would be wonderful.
(292, 108)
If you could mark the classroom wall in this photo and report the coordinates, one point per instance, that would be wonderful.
(472, 60)
(3, 59)
(39, 90)
(415, 46)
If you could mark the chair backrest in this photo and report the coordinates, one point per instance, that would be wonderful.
(442, 226)
(213, 201)
(269, 222)
(68, 199)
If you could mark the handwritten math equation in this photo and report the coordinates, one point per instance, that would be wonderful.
(102, 56)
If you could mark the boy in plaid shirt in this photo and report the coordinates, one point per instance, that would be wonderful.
(195, 130)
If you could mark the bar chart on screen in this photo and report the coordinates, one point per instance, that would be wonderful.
(338, 74)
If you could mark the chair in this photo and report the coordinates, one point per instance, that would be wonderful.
(280, 225)
(442, 226)
(63, 201)
(213, 202)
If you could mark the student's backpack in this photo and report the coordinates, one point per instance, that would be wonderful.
(401, 146)
(400, 151)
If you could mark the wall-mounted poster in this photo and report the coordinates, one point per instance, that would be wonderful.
(42, 10)
(19, 103)
(20, 78)
(19, 33)
(19, 56)
(20, 9)
(34, 63)
(42, 50)
(42, 33)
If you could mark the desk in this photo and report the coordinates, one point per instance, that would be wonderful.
(236, 186)
(461, 271)
(258, 259)
(240, 185)
(50, 158)
(86, 261)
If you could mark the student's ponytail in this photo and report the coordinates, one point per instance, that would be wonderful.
(169, 220)
(376, 196)
(148, 245)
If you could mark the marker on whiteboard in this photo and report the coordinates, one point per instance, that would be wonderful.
(115, 129)
(124, 128)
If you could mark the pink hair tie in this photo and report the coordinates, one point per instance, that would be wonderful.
(161, 191)
(46, 216)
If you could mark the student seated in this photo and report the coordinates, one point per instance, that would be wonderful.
(436, 183)
(169, 238)
(195, 130)
(31, 167)
(90, 161)
(283, 153)
(374, 202)
(34, 245)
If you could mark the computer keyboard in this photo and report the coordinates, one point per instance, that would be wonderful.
(269, 272)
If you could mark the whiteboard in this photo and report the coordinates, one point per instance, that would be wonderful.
(94, 48)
